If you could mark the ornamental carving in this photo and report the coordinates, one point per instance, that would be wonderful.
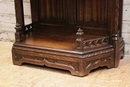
(18, 34)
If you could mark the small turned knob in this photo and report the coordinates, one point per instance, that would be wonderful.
(18, 27)
(115, 37)
(80, 32)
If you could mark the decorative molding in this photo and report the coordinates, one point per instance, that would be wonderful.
(82, 44)
(97, 63)
(46, 61)
(98, 53)
(115, 37)
(96, 42)
(66, 54)
(28, 27)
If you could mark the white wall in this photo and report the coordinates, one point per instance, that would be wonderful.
(7, 21)
(126, 26)
(7, 18)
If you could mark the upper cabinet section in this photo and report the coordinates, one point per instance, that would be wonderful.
(87, 13)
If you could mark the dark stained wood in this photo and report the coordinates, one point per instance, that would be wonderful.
(19, 13)
(120, 16)
(41, 38)
(98, 10)
(94, 6)
(34, 10)
(74, 35)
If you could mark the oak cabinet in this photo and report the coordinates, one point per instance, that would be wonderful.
(74, 35)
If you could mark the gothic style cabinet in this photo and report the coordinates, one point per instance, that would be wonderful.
(74, 35)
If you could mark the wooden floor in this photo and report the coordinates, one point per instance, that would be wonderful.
(35, 76)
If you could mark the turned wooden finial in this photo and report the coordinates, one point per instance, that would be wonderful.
(18, 26)
(80, 32)
(115, 37)
(79, 40)
(18, 34)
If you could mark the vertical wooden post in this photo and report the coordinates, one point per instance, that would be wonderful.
(19, 17)
(115, 30)
(79, 40)
(117, 50)
(18, 34)
(19, 12)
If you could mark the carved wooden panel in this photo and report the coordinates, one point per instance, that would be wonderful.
(74, 10)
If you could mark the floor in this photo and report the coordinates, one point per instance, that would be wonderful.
(35, 76)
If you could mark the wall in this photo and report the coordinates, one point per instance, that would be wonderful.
(126, 26)
(7, 21)
(7, 18)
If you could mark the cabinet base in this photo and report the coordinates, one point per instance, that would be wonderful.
(77, 64)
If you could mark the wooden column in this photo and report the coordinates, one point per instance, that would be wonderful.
(115, 17)
(116, 45)
(19, 35)
(79, 40)
(115, 30)
(110, 18)
(19, 13)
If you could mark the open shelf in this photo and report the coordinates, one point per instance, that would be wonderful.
(41, 37)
